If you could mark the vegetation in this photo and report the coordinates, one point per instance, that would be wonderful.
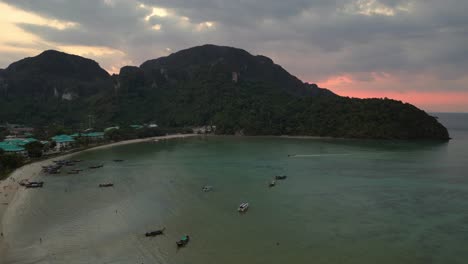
(34, 149)
(9, 162)
(196, 87)
(3, 133)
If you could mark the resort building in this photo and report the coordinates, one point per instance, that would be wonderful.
(21, 142)
(204, 129)
(9, 148)
(94, 136)
(63, 142)
(19, 130)
(16, 145)
(111, 128)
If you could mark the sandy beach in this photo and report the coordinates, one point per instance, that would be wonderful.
(10, 186)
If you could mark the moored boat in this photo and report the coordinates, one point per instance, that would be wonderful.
(272, 183)
(97, 166)
(183, 241)
(243, 207)
(281, 177)
(102, 185)
(207, 188)
(52, 169)
(34, 184)
(155, 233)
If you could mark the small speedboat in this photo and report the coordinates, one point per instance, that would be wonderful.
(103, 185)
(272, 183)
(183, 241)
(155, 233)
(243, 207)
(207, 188)
(281, 177)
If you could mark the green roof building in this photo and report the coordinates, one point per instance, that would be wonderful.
(111, 128)
(11, 148)
(63, 142)
(95, 135)
(20, 141)
(63, 139)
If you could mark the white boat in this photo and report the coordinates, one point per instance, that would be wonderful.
(243, 207)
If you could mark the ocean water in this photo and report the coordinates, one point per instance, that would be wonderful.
(344, 201)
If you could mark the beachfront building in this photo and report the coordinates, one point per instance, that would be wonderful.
(17, 130)
(63, 142)
(16, 145)
(9, 148)
(136, 126)
(76, 135)
(21, 142)
(204, 129)
(94, 136)
(111, 128)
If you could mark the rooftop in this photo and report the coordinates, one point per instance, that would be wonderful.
(7, 147)
(92, 134)
(19, 141)
(63, 139)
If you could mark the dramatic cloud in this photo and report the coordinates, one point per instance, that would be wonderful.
(355, 47)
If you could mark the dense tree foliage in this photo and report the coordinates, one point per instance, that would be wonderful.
(9, 162)
(34, 149)
(209, 85)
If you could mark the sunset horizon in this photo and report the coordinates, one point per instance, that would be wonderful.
(224, 131)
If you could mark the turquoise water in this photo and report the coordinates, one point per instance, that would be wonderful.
(345, 201)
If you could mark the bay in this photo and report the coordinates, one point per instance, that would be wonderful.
(344, 201)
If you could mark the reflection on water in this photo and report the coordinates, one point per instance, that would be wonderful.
(344, 201)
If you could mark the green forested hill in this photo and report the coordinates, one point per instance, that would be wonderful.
(227, 87)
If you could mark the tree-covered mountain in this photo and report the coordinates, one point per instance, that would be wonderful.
(227, 87)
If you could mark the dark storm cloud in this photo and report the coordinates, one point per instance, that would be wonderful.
(312, 39)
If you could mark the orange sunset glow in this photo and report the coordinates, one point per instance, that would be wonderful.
(434, 100)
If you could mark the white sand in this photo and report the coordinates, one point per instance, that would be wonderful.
(10, 185)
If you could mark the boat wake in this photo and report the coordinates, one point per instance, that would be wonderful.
(318, 155)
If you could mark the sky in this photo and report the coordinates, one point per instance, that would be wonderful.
(410, 50)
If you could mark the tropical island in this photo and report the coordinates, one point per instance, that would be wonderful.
(222, 87)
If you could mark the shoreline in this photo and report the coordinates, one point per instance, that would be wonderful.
(10, 185)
